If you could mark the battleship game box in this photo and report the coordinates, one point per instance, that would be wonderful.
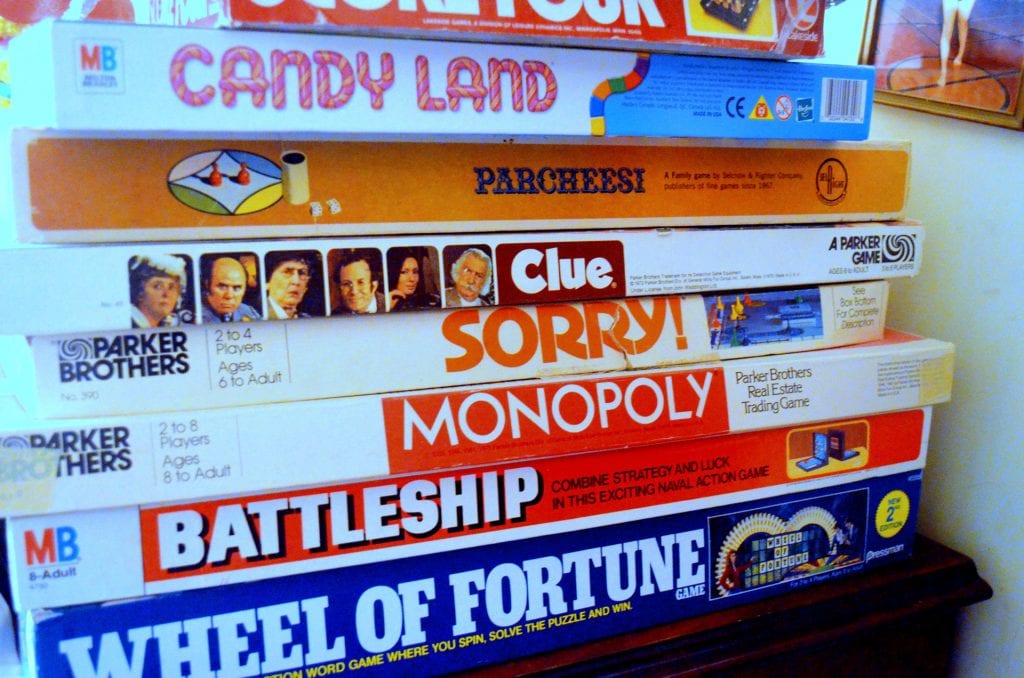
(238, 363)
(106, 554)
(171, 186)
(118, 286)
(94, 75)
(432, 613)
(52, 466)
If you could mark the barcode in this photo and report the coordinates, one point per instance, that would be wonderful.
(842, 100)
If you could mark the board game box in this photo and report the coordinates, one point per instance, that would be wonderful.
(236, 363)
(197, 187)
(775, 28)
(432, 613)
(87, 75)
(107, 554)
(51, 466)
(121, 286)
(782, 28)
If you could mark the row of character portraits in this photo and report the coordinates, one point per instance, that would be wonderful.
(300, 284)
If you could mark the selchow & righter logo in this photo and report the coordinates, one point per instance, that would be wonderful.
(125, 356)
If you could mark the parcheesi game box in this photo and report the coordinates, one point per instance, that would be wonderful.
(201, 186)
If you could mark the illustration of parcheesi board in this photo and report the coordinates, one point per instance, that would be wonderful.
(431, 614)
(161, 548)
(120, 460)
(92, 75)
(240, 363)
(526, 268)
(181, 187)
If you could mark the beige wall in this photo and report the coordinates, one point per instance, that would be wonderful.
(967, 187)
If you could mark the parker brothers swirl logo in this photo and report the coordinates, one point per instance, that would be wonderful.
(126, 356)
(899, 248)
(22, 462)
(75, 349)
(65, 452)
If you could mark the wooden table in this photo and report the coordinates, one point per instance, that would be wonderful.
(898, 620)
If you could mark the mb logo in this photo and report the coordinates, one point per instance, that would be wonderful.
(101, 58)
(100, 66)
(55, 545)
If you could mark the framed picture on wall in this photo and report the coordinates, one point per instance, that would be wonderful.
(961, 58)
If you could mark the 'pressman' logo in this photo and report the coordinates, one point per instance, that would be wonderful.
(127, 356)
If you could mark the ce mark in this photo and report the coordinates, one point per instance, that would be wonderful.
(734, 107)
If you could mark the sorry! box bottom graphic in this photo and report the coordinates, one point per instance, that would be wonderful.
(438, 613)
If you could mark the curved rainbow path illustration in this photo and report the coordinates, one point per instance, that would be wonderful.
(612, 86)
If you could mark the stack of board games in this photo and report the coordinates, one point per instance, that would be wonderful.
(635, 379)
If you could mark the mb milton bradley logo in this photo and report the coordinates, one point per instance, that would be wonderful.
(77, 451)
(99, 66)
(127, 356)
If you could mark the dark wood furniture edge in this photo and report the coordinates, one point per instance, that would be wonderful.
(935, 579)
